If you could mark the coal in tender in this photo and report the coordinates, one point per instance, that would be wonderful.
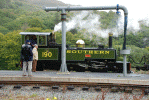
(85, 88)
(55, 87)
(70, 88)
(17, 86)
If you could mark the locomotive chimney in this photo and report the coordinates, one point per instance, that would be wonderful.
(110, 40)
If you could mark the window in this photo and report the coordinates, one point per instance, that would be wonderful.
(32, 38)
(42, 40)
(27, 37)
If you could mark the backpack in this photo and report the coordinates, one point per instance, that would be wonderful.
(26, 52)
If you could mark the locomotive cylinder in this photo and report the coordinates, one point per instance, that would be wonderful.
(110, 40)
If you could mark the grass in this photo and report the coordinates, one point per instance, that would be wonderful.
(33, 95)
(118, 76)
(139, 71)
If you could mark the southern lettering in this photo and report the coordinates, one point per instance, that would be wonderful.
(88, 51)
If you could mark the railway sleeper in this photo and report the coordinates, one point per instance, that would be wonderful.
(55, 87)
(70, 87)
(36, 87)
(121, 89)
(128, 90)
(85, 88)
(17, 86)
(98, 88)
(114, 89)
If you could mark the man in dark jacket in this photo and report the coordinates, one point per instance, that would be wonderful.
(27, 57)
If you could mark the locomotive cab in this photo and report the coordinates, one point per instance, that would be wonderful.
(48, 50)
(42, 39)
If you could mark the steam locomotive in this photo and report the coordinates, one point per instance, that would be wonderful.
(78, 58)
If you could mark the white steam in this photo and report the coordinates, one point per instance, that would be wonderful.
(72, 24)
(89, 21)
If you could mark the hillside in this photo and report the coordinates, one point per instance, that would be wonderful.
(22, 14)
(50, 3)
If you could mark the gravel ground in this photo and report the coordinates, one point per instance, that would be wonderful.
(46, 93)
(28, 93)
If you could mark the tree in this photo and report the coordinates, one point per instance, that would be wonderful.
(6, 16)
(34, 29)
(9, 54)
(35, 22)
(48, 22)
(58, 37)
(137, 53)
(69, 37)
(3, 30)
(108, 19)
(5, 3)
(13, 25)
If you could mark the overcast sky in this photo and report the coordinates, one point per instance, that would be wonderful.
(137, 9)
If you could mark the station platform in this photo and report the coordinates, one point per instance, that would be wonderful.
(92, 77)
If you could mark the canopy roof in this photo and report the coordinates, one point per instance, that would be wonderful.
(35, 33)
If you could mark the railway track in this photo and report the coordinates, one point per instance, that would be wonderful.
(113, 87)
(70, 90)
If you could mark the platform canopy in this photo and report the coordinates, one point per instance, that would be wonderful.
(35, 33)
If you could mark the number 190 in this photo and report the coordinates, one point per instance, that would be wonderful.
(46, 54)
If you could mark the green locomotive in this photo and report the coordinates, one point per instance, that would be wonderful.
(79, 58)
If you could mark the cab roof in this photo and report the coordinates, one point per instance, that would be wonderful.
(35, 33)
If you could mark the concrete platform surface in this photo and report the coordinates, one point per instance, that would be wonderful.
(97, 77)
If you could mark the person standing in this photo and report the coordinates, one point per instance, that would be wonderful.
(35, 57)
(27, 57)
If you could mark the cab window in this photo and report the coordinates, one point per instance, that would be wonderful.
(27, 37)
(42, 40)
(32, 38)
